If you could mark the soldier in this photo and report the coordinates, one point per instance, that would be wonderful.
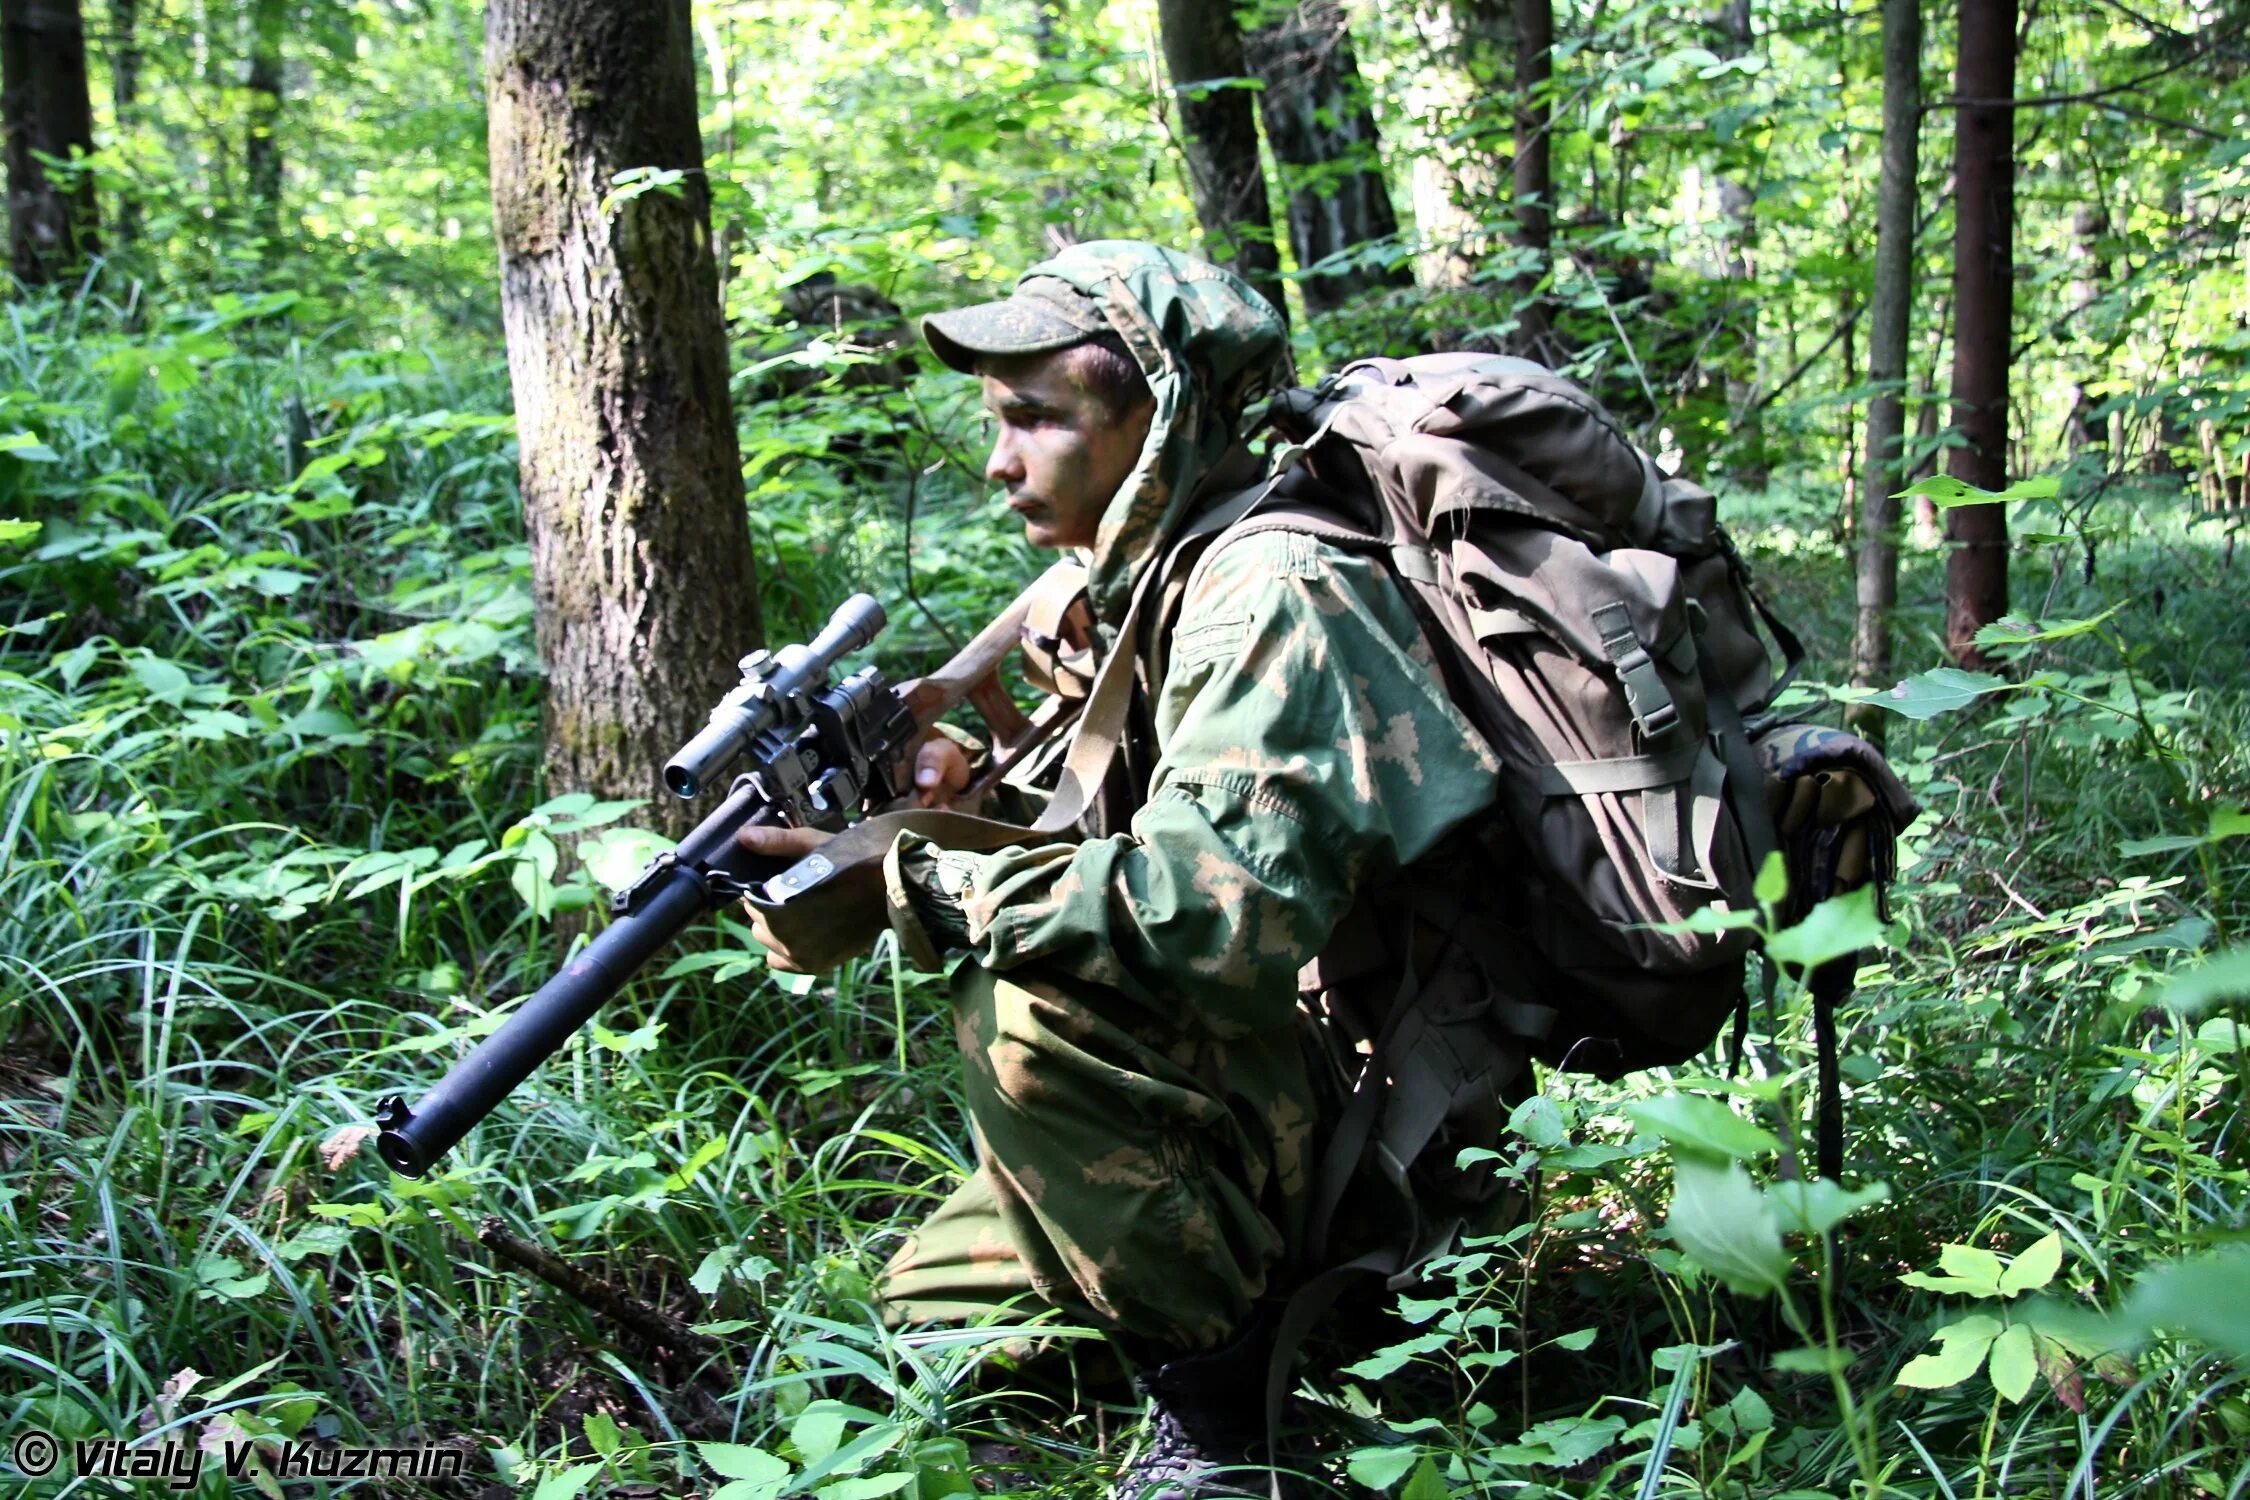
(1136, 1059)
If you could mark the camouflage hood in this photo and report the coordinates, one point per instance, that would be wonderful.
(1209, 347)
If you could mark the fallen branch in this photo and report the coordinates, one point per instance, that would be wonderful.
(659, 1328)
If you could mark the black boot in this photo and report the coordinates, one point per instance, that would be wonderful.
(1207, 1424)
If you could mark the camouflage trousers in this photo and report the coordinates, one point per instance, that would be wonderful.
(1140, 1180)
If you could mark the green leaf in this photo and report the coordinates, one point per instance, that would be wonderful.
(713, 1270)
(1972, 1265)
(1945, 492)
(563, 1484)
(1427, 1483)
(1703, 1126)
(1773, 880)
(1961, 1350)
(26, 446)
(164, 680)
(740, 1461)
(1386, 1362)
(1539, 1120)
(2014, 1363)
(13, 530)
(1812, 1359)
(1726, 1226)
(1941, 690)
(1380, 1468)
(2225, 976)
(2011, 631)
(818, 1431)
(2034, 1268)
(1839, 926)
(616, 856)
(1816, 1207)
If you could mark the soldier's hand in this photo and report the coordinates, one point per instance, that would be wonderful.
(941, 770)
(839, 919)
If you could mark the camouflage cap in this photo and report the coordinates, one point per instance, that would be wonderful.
(1046, 313)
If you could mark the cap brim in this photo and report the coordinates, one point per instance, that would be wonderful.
(998, 330)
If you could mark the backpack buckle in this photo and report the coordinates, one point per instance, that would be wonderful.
(1654, 712)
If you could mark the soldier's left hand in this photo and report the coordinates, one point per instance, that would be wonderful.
(821, 929)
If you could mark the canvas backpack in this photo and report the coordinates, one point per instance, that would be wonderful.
(1598, 628)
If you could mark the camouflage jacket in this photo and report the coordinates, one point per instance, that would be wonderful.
(1305, 751)
(1305, 746)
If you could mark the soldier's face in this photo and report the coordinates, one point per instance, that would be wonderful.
(1057, 449)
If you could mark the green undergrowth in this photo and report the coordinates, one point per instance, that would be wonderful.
(273, 845)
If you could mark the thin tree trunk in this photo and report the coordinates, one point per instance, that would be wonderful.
(1534, 174)
(1323, 137)
(124, 95)
(630, 470)
(44, 106)
(1976, 569)
(261, 145)
(1219, 129)
(1890, 329)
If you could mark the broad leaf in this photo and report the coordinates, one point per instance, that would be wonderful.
(1703, 1126)
(1726, 1226)
(1961, 1350)
(1946, 493)
(565, 1483)
(1816, 1207)
(2034, 1268)
(1941, 690)
(1973, 1264)
(1838, 926)
(2014, 1365)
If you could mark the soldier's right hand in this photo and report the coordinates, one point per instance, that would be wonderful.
(941, 770)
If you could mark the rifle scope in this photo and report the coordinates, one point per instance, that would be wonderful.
(770, 680)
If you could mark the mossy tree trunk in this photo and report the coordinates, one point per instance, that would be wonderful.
(1324, 141)
(1219, 131)
(45, 107)
(631, 475)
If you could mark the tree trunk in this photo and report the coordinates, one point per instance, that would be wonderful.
(1219, 128)
(1976, 568)
(261, 146)
(44, 106)
(1467, 53)
(124, 95)
(1323, 137)
(1534, 176)
(631, 476)
(1890, 326)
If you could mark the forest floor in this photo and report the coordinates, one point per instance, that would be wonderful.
(271, 847)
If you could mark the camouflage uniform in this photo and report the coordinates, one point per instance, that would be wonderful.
(1136, 1061)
